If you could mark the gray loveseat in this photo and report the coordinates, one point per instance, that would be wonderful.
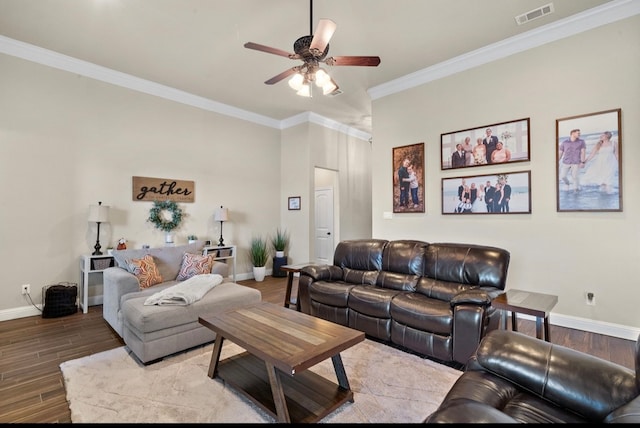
(430, 298)
(153, 332)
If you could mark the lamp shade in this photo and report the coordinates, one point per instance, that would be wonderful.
(98, 213)
(221, 214)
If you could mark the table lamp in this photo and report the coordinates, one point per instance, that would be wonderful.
(98, 214)
(221, 215)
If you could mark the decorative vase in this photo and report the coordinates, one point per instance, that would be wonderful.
(279, 254)
(259, 273)
(191, 241)
(168, 238)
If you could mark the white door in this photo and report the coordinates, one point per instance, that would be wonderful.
(324, 225)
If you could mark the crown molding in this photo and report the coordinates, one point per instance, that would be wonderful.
(607, 13)
(587, 20)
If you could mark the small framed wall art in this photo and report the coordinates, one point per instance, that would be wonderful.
(507, 193)
(294, 202)
(408, 179)
(505, 142)
(589, 162)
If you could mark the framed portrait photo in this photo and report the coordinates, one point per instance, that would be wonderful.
(498, 143)
(506, 193)
(589, 162)
(408, 178)
(294, 202)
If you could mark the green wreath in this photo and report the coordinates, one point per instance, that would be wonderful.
(155, 215)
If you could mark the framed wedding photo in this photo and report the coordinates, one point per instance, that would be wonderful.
(589, 162)
(498, 143)
(294, 202)
(408, 178)
(507, 193)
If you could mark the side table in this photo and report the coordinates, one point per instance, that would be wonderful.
(91, 266)
(527, 302)
(291, 270)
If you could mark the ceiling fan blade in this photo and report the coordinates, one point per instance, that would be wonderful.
(323, 34)
(366, 61)
(267, 49)
(283, 75)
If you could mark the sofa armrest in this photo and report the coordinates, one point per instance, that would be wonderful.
(116, 283)
(221, 268)
(587, 385)
(474, 296)
(323, 272)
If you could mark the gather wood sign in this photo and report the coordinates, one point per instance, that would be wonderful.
(163, 189)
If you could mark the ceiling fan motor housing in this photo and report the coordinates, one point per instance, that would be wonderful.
(301, 47)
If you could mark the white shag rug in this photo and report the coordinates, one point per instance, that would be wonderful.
(390, 386)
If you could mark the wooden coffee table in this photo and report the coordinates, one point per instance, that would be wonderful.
(281, 345)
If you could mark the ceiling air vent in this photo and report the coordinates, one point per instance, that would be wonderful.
(335, 93)
(534, 14)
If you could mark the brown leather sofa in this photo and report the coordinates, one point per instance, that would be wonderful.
(514, 378)
(430, 298)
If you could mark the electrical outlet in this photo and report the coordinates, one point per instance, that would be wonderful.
(590, 298)
(26, 288)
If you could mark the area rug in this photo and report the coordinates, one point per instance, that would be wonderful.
(390, 386)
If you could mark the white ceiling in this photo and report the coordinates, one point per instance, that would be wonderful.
(196, 46)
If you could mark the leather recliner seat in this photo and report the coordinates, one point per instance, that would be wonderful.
(431, 298)
(514, 378)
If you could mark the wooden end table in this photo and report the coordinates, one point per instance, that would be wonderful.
(281, 345)
(291, 270)
(527, 302)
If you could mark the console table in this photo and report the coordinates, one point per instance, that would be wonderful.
(527, 302)
(223, 253)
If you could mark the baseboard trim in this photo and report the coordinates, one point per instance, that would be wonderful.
(593, 326)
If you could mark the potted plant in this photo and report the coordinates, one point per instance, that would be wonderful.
(192, 239)
(258, 254)
(279, 241)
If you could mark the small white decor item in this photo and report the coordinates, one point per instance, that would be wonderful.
(168, 238)
(279, 254)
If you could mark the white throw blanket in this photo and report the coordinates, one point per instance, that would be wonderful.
(186, 292)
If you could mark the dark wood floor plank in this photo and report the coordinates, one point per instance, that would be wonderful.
(32, 349)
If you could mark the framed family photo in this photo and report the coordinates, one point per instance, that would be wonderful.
(498, 143)
(408, 178)
(507, 193)
(589, 162)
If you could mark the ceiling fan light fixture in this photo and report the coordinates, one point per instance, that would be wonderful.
(305, 90)
(322, 78)
(296, 82)
(329, 87)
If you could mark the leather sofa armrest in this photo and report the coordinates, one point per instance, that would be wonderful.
(585, 384)
(323, 272)
(469, 412)
(475, 296)
(626, 414)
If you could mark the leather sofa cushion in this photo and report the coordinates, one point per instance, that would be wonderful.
(404, 256)
(422, 313)
(397, 281)
(371, 300)
(357, 276)
(441, 290)
(332, 293)
(360, 254)
(467, 264)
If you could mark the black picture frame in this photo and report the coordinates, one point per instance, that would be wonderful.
(514, 135)
(597, 183)
(294, 203)
(519, 201)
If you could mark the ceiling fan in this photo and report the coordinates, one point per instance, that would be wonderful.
(313, 50)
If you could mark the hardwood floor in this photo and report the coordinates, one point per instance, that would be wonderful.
(32, 348)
